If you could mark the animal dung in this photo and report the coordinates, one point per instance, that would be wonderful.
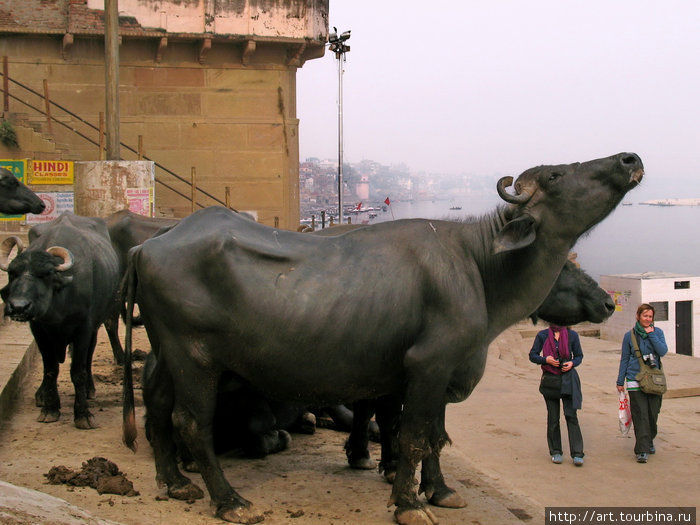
(98, 473)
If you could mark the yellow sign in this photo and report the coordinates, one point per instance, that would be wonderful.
(51, 172)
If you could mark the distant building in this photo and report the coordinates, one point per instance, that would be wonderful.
(675, 298)
(207, 84)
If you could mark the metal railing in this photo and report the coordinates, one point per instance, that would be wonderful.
(46, 111)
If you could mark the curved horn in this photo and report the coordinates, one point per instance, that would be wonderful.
(64, 254)
(6, 248)
(503, 183)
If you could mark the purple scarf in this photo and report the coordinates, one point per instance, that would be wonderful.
(550, 347)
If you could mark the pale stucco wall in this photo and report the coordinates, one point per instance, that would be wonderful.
(266, 18)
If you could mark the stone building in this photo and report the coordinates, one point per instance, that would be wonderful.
(206, 87)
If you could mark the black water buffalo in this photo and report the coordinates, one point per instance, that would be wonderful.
(126, 230)
(15, 197)
(404, 308)
(575, 298)
(243, 419)
(65, 285)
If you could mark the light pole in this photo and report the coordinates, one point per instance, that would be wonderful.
(338, 46)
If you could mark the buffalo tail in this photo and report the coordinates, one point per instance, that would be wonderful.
(129, 414)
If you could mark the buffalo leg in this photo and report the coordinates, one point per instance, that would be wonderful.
(158, 400)
(46, 395)
(83, 348)
(357, 444)
(388, 410)
(193, 415)
(423, 405)
(111, 325)
(432, 480)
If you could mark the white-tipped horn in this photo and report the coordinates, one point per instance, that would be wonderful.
(6, 248)
(64, 254)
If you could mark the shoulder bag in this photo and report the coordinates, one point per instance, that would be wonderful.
(550, 385)
(651, 380)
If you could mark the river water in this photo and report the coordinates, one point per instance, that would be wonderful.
(633, 239)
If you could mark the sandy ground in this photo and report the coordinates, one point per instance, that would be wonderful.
(308, 483)
(498, 461)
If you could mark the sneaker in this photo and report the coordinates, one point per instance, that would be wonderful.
(652, 450)
(642, 457)
(556, 458)
(578, 461)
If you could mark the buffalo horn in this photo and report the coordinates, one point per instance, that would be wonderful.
(503, 183)
(6, 248)
(64, 254)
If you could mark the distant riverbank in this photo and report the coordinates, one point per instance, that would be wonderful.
(633, 239)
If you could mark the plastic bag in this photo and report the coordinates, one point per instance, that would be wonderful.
(625, 414)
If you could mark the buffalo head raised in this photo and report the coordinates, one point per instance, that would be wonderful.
(564, 201)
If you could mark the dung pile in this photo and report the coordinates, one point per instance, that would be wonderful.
(98, 473)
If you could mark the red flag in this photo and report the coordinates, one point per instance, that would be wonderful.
(387, 201)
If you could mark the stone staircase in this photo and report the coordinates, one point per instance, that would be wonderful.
(19, 355)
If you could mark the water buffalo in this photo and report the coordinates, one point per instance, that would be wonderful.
(126, 230)
(15, 197)
(64, 284)
(404, 308)
(243, 419)
(575, 298)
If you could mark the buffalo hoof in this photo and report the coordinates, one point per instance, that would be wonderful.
(415, 517)
(186, 492)
(48, 416)
(390, 476)
(448, 499)
(307, 423)
(85, 422)
(190, 466)
(237, 513)
(362, 463)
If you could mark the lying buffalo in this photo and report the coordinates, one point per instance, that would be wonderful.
(64, 284)
(15, 197)
(243, 420)
(405, 308)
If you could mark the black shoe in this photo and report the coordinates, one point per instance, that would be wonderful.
(642, 457)
(652, 450)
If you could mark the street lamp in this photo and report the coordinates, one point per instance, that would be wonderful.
(339, 47)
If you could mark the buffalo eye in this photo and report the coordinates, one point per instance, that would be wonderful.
(554, 176)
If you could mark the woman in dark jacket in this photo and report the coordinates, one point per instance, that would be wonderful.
(561, 353)
(645, 408)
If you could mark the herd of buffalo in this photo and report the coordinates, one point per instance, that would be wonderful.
(251, 326)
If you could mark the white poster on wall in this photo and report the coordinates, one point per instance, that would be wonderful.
(56, 203)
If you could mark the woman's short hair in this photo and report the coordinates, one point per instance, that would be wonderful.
(645, 306)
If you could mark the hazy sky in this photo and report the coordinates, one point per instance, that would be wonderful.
(495, 87)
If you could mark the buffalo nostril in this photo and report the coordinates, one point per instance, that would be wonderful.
(631, 159)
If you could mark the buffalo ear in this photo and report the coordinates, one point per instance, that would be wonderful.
(60, 280)
(516, 234)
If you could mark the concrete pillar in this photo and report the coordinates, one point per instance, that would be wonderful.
(105, 187)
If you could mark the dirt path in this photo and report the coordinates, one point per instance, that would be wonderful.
(309, 483)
